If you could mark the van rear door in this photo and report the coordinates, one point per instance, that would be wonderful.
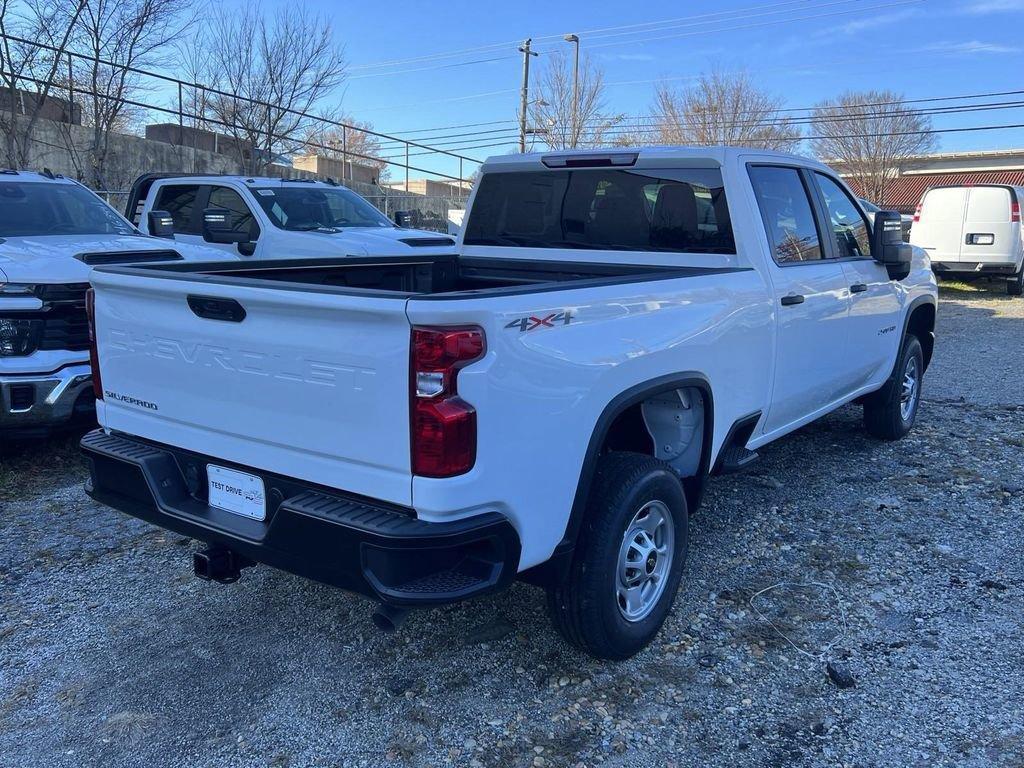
(989, 234)
(940, 227)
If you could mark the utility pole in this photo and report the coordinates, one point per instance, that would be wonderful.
(574, 128)
(525, 94)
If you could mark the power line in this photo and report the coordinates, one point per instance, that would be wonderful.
(834, 116)
(660, 27)
(509, 43)
(655, 116)
(967, 129)
(626, 128)
(755, 25)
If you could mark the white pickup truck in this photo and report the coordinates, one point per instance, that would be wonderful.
(547, 405)
(52, 231)
(267, 218)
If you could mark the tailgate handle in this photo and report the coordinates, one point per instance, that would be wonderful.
(215, 308)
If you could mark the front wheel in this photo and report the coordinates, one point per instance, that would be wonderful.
(890, 412)
(628, 560)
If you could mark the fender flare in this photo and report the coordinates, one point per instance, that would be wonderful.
(632, 396)
(916, 304)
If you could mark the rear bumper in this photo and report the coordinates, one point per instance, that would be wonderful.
(364, 546)
(36, 403)
(977, 268)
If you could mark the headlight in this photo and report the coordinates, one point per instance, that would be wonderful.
(17, 289)
(18, 336)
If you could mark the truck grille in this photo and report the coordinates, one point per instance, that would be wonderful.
(65, 328)
(65, 324)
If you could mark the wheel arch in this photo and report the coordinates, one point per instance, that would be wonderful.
(621, 405)
(554, 569)
(920, 321)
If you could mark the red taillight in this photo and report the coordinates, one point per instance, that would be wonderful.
(94, 356)
(917, 213)
(1015, 212)
(443, 424)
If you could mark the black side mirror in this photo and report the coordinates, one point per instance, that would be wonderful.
(887, 246)
(218, 227)
(403, 218)
(160, 224)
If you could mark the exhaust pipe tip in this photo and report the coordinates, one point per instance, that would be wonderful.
(388, 619)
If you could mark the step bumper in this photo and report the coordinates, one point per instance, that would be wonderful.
(361, 545)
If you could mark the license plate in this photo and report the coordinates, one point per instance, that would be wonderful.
(237, 492)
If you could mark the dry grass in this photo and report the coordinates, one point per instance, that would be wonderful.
(27, 466)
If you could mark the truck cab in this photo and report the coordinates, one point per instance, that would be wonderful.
(269, 218)
(53, 231)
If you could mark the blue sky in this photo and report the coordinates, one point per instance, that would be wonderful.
(802, 51)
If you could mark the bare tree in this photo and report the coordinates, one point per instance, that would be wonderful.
(553, 115)
(278, 69)
(118, 36)
(870, 133)
(353, 144)
(723, 108)
(28, 69)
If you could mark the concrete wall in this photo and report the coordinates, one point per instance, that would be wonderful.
(337, 169)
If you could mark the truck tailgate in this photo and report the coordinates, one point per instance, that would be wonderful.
(313, 385)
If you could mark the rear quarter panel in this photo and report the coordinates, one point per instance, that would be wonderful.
(539, 392)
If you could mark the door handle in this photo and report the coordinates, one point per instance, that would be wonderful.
(216, 308)
(858, 288)
(793, 298)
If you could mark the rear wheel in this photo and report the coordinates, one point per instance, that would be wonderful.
(628, 560)
(890, 412)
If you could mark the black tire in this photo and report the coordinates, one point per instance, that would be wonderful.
(585, 607)
(1015, 285)
(883, 410)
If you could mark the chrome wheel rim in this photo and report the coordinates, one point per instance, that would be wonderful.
(645, 558)
(909, 390)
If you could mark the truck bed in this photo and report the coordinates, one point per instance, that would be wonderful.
(448, 277)
(302, 367)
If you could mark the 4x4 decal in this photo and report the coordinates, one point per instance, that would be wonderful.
(532, 322)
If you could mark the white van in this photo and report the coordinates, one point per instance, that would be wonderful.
(973, 232)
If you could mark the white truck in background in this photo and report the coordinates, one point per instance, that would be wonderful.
(52, 232)
(547, 405)
(269, 218)
(973, 231)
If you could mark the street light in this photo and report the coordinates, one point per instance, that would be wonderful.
(575, 40)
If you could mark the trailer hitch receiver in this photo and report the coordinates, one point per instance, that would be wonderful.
(220, 564)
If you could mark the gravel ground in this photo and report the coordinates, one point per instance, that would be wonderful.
(898, 566)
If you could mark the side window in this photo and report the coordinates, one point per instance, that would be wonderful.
(179, 200)
(849, 227)
(241, 217)
(787, 213)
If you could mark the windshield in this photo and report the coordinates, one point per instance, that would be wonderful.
(36, 208)
(869, 207)
(298, 208)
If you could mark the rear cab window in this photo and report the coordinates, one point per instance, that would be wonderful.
(677, 210)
